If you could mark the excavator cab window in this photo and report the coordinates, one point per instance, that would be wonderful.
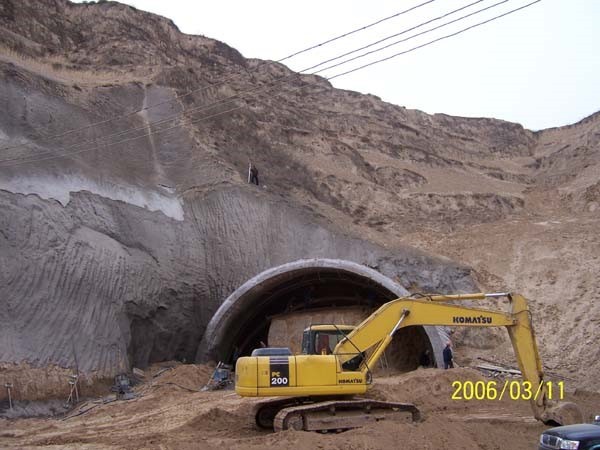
(322, 340)
(306, 342)
(322, 344)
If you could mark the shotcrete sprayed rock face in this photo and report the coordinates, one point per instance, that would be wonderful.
(120, 286)
(275, 306)
(126, 255)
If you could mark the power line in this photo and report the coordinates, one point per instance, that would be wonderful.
(258, 89)
(97, 147)
(328, 78)
(141, 127)
(397, 34)
(413, 36)
(103, 146)
(434, 41)
(177, 97)
(356, 30)
(335, 76)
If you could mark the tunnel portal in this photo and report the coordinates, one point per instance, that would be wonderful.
(275, 306)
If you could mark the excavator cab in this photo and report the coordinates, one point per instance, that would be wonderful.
(322, 339)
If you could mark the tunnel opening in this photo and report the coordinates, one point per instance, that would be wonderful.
(274, 307)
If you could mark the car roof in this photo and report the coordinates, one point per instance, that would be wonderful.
(576, 432)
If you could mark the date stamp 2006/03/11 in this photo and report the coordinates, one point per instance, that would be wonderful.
(512, 389)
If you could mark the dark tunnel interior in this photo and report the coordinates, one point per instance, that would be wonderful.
(317, 289)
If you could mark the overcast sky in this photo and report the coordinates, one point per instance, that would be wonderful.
(539, 66)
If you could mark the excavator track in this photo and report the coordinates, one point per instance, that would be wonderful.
(340, 415)
(266, 411)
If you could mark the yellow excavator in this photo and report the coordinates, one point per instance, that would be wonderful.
(320, 385)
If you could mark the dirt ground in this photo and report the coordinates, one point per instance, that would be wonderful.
(170, 412)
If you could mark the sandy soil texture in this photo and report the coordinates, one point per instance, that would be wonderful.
(168, 416)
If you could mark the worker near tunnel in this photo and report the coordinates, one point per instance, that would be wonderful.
(448, 357)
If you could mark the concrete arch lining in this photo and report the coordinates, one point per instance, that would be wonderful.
(243, 299)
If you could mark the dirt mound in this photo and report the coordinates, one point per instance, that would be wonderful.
(215, 419)
(435, 433)
(191, 376)
(423, 387)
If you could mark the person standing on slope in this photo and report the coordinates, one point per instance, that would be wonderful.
(253, 175)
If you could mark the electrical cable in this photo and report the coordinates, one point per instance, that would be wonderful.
(258, 88)
(295, 74)
(355, 31)
(432, 42)
(130, 130)
(103, 146)
(177, 97)
(201, 107)
(413, 36)
(239, 107)
(398, 34)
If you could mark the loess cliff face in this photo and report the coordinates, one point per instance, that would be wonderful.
(120, 253)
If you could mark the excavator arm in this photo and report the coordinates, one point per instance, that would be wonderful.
(375, 333)
(347, 372)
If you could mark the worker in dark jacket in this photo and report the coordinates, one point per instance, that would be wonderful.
(448, 364)
(253, 176)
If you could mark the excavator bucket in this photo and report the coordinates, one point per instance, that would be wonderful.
(562, 413)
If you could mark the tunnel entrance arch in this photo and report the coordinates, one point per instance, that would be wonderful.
(312, 285)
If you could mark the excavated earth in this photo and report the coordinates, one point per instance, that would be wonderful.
(117, 247)
(169, 412)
